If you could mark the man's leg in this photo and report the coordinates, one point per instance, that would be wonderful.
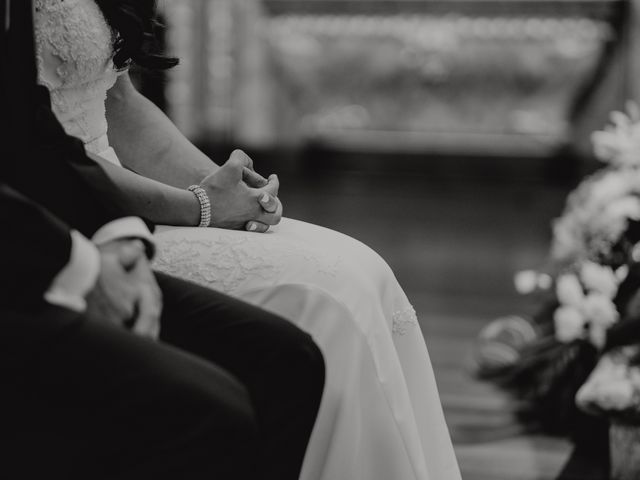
(83, 400)
(278, 363)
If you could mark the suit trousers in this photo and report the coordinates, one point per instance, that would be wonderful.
(230, 392)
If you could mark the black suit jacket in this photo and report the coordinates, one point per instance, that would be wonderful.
(41, 162)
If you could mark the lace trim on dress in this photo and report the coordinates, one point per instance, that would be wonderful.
(77, 35)
(225, 262)
(230, 262)
(404, 320)
(74, 56)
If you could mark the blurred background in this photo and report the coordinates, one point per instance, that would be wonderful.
(443, 133)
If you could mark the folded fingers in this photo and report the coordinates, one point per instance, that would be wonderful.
(268, 202)
(264, 220)
(272, 213)
(253, 179)
(256, 227)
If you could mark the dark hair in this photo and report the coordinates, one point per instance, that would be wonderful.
(134, 23)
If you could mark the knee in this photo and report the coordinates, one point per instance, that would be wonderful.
(365, 273)
(218, 435)
(237, 428)
(302, 362)
(308, 374)
(216, 411)
(310, 360)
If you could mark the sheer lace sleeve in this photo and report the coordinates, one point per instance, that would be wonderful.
(75, 62)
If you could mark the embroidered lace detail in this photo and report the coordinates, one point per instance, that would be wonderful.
(222, 263)
(74, 52)
(227, 262)
(404, 320)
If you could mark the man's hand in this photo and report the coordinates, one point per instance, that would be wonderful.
(126, 293)
(147, 323)
(241, 198)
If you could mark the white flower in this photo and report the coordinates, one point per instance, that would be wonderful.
(611, 386)
(569, 291)
(596, 215)
(621, 273)
(606, 188)
(618, 148)
(625, 207)
(599, 278)
(544, 281)
(600, 310)
(587, 224)
(525, 281)
(619, 144)
(569, 324)
(615, 394)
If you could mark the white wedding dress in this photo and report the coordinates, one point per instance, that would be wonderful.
(380, 417)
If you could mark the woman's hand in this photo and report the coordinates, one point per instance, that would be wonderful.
(270, 203)
(240, 198)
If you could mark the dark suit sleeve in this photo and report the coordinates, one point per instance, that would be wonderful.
(34, 247)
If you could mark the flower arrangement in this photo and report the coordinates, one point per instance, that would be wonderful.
(586, 309)
(596, 216)
(591, 292)
(619, 143)
(613, 388)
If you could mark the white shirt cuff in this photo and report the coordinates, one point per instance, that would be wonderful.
(122, 228)
(78, 277)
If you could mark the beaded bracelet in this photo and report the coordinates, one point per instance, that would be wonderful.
(205, 204)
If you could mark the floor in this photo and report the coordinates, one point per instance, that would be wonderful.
(454, 242)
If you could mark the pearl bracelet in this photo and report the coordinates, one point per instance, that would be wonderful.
(205, 204)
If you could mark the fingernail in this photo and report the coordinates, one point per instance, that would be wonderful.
(253, 227)
(265, 198)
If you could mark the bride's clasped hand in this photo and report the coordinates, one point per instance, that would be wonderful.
(240, 197)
